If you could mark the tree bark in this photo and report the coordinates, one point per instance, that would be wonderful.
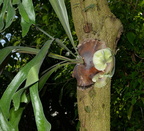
(94, 20)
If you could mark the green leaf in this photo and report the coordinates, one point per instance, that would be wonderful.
(129, 113)
(4, 53)
(7, 50)
(12, 87)
(41, 121)
(59, 57)
(25, 27)
(20, 78)
(2, 13)
(20, 95)
(28, 6)
(32, 78)
(4, 124)
(1, 23)
(48, 73)
(25, 98)
(15, 2)
(33, 74)
(60, 9)
(57, 41)
(17, 98)
(7, 14)
(131, 37)
(10, 15)
(64, 46)
(15, 117)
(28, 50)
(4, 8)
(23, 13)
(1, 1)
(134, 100)
(27, 15)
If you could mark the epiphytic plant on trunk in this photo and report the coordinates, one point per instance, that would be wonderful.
(94, 59)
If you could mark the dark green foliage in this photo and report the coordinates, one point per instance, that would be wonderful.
(59, 93)
(127, 107)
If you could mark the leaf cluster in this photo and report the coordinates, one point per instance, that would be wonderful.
(30, 77)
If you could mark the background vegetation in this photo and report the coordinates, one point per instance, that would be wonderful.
(59, 93)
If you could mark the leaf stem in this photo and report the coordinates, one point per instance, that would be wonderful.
(56, 40)
(44, 32)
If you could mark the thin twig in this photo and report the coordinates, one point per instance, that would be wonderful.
(139, 57)
(136, 4)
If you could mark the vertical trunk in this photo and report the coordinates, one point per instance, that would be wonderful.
(94, 20)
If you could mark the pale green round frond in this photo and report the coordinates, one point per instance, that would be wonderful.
(101, 58)
(101, 82)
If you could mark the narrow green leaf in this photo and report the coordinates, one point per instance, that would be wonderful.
(32, 76)
(23, 13)
(1, 23)
(25, 98)
(129, 113)
(60, 9)
(5, 5)
(10, 15)
(4, 124)
(2, 13)
(15, 117)
(7, 50)
(12, 87)
(21, 96)
(59, 57)
(46, 76)
(64, 46)
(20, 78)
(27, 15)
(48, 73)
(17, 98)
(28, 6)
(4, 53)
(27, 50)
(25, 27)
(41, 121)
(7, 14)
(44, 32)
(57, 41)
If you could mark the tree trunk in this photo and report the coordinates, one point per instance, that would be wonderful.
(94, 20)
